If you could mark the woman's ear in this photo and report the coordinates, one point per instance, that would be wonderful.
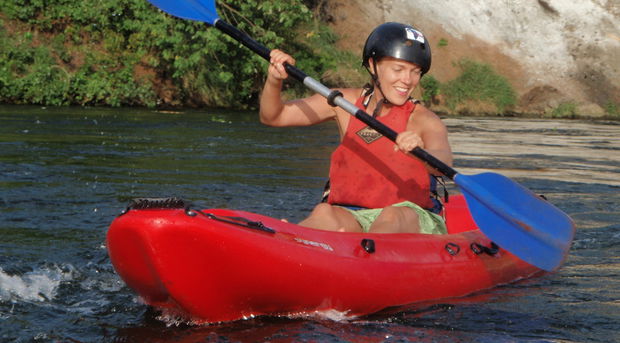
(371, 66)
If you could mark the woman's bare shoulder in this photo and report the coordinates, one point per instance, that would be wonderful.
(423, 117)
(423, 113)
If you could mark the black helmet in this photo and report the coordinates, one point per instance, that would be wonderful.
(399, 41)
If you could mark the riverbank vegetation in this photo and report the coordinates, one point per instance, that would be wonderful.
(478, 89)
(128, 53)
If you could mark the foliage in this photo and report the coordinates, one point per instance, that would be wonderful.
(430, 88)
(565, 110)
(442, 42)
(479, 82)
(127, 52)
(612, 109)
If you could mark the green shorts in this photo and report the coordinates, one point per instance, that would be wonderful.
(430, 223)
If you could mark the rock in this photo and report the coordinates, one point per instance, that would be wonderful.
(591, 110)
(541, 99)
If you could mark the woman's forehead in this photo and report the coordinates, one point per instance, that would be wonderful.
(396, 61)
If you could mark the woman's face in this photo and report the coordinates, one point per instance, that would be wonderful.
(398, 78)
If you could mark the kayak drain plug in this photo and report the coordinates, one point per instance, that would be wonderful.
(368, 245)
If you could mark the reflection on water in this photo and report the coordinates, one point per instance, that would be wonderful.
(65, 173)
(569, 151)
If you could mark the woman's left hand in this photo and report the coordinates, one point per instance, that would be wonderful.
(407, 141)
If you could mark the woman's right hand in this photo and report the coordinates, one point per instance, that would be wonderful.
(276, 64)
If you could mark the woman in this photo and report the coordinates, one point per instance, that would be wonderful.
(376, 186)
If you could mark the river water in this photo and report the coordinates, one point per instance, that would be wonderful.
(65, 173)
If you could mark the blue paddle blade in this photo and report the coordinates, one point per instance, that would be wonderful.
(517, 219)
(200, 10)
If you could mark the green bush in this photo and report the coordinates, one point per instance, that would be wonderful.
(478, 82)
(127, 52)
(612, 109)
(565, 110)
(430, 88)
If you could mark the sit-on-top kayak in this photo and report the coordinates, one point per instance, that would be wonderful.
(218, 265)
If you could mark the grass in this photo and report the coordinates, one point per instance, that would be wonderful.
(564, 110)
(479, 83)
(612, 109)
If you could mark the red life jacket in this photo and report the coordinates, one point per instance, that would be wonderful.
(365, 170)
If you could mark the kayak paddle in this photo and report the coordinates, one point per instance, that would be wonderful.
(508, 213)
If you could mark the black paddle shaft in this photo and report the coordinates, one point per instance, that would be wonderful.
(335, 98)
(255, 46)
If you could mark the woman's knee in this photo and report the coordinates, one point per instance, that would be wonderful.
(398, 213)
(323, 210)
(396, 219)
(327, 217)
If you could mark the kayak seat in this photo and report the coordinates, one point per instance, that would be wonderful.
(458, 218)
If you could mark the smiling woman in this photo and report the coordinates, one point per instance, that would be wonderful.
(368, 170)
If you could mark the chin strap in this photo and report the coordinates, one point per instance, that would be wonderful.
(377, 110)
(370, 88)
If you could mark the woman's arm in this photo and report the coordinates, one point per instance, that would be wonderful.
(300, 112)
(427, 131)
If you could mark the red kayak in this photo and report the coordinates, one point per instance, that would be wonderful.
(218, 265)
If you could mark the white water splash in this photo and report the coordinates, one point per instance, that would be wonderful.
(39, 285)
(173, 318)
(332, 315)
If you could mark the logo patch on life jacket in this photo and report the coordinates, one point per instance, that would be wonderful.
(368, 134)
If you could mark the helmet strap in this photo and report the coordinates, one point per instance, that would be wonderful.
(377, 110)
(377, 84)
